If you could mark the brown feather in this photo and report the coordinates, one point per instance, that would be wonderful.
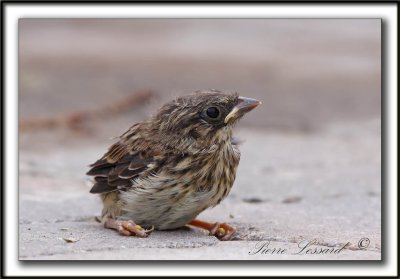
(102, 187)
(100, 171)
(118, 175)
(116, 152)
(129, 174)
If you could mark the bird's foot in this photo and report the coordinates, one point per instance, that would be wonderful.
(128, 228)
(222, 231)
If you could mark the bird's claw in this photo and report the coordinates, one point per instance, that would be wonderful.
(129, 228)
(222, 231)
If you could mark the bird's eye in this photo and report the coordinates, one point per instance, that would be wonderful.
(212, 112)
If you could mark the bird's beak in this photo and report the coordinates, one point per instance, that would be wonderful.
(243, 106)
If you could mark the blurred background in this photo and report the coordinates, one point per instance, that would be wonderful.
(309, 73)
(310, 165)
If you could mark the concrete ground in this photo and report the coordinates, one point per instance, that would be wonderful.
(291, 189)
(310, 166)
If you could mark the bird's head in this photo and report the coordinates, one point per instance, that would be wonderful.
(201, 119)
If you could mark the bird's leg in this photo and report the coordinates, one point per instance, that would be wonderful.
(222, 231)
(127, 228)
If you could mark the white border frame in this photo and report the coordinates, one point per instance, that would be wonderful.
(13, 12)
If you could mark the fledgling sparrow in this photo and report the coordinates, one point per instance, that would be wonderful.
(164, 171)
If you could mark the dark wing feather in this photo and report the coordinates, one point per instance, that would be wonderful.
(129, 174)
(116, 170)
(100, 170)
(101, 186)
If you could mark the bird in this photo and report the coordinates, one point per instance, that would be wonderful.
(165, 170)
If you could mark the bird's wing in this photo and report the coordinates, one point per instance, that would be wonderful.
(118, 169)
